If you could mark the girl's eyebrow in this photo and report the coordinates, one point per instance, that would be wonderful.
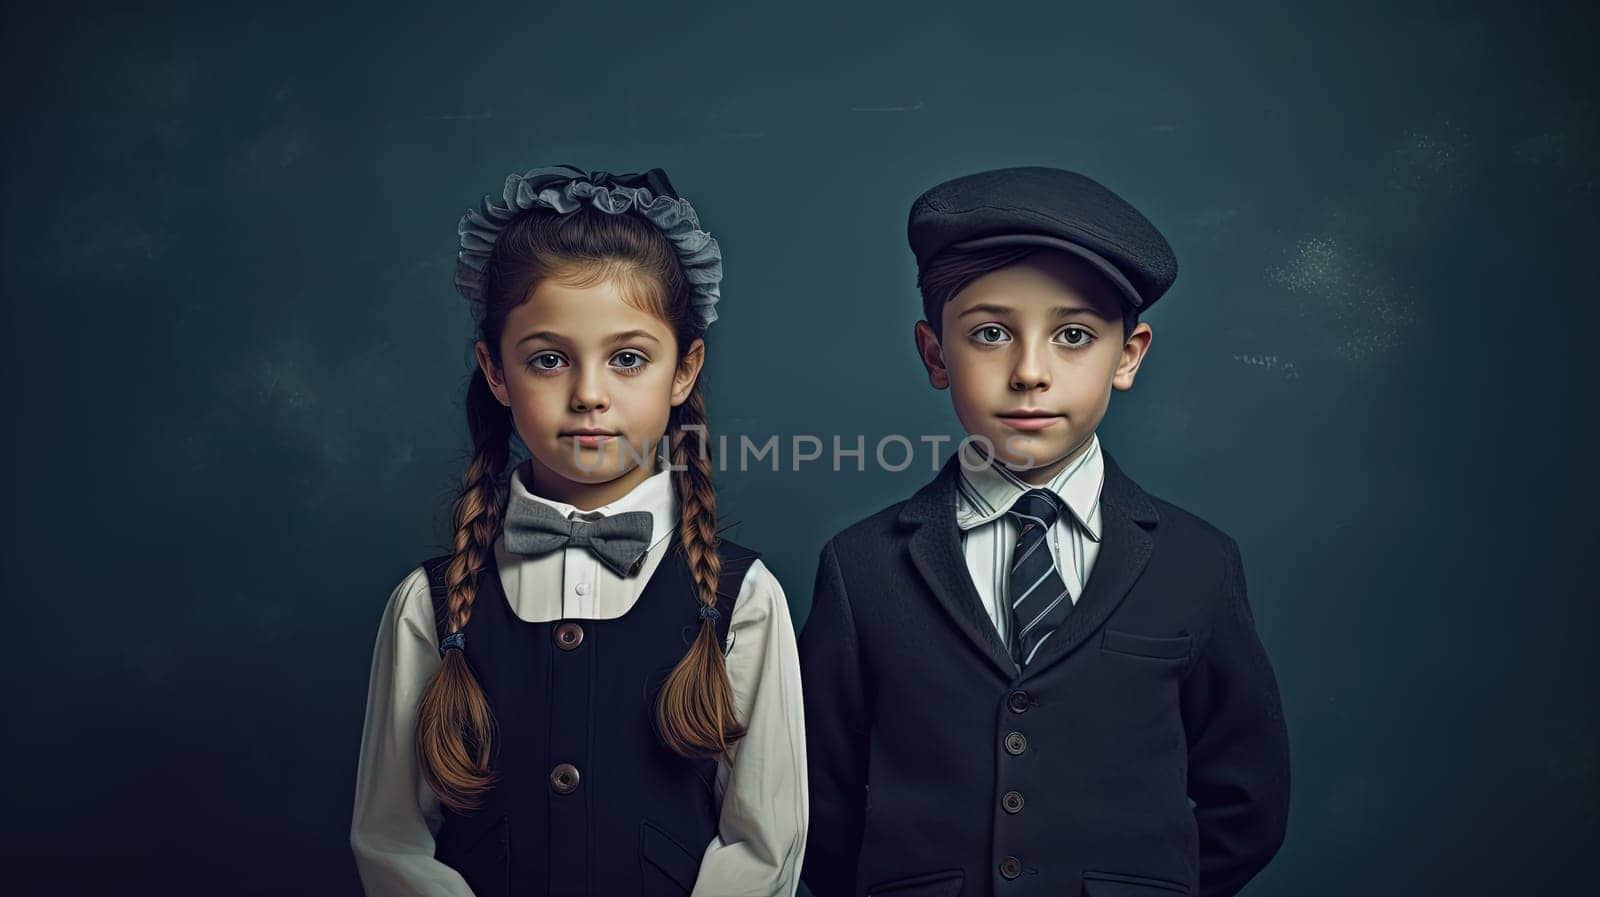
(550, 335)
(631, 335)
(622, 337)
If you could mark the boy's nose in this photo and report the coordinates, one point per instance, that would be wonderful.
(1030, 372)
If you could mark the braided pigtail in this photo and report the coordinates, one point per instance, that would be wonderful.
(454, 723)
(695, 713)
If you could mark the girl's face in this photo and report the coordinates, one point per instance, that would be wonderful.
(591, 381)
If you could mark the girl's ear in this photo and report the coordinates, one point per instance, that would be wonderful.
(688, 371)
(492, 372)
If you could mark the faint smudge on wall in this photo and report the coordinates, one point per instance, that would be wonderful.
(1362, 309)
(1281, 366)
(327, 415)
(1352, 269)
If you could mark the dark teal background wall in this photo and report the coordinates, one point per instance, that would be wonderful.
(234, 363)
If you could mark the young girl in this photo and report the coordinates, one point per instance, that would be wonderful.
(593, 693)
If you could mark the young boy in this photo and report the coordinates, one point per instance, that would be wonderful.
(1032, 677)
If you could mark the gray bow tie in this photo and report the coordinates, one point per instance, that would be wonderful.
(619, 541)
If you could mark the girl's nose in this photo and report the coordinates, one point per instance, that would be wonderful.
(588, 394)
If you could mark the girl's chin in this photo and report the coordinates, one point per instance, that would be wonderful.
(591, 466)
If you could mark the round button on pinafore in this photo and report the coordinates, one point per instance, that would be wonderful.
(568, 636)
(564, 778)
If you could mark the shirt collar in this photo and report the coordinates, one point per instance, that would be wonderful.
(654, 494)
(987, 493)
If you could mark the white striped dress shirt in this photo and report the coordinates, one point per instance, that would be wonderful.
(989, 535)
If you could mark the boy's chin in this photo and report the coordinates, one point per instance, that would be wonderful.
(1023, 455)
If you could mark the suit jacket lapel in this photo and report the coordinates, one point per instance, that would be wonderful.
(1126, 516)
(935, 546)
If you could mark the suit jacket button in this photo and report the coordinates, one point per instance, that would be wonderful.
(1016, 743)
(564, 778)
(1010, 867)
(569, 635)
(1012, 801)
(1018, 701)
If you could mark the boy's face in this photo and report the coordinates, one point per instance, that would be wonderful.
(1030, 355)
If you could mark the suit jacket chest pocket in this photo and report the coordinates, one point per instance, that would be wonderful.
(1139, 678)
(1167, 649)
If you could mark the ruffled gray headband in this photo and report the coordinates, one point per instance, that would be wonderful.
(566, 189)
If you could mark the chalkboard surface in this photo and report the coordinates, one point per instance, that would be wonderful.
(234, 361)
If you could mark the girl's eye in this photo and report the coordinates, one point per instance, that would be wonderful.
(991, 335)
(546, 361)
(628, 360)
(1076, 336)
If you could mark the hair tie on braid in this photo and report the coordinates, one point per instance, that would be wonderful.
(456, 640)
(707, 612)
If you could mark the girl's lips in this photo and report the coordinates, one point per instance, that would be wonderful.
(592, 440)
(1030, 423)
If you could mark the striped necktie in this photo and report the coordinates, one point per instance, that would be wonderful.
(1039, 596)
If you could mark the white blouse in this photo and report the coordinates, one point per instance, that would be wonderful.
(764, 805)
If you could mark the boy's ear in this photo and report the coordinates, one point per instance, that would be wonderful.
(492, 372)
(932, 355)
(1133, 353)
(688, 371)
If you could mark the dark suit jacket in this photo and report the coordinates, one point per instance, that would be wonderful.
(938, 771)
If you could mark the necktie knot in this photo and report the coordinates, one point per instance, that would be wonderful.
(1037, 506)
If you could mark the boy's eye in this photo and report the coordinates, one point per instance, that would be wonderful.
(1076, 336)
(546, 361)
(991, 334)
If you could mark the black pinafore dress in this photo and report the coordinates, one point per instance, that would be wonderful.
(588, 801)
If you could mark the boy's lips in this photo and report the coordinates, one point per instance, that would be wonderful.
(1029, 419)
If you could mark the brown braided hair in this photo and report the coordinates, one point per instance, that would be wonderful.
(454, 725)
(695, 713)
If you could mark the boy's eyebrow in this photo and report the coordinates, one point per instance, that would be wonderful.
(1067, 311)
(986, 309)
(1060, 311)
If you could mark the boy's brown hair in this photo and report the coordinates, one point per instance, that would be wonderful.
(952, 271)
